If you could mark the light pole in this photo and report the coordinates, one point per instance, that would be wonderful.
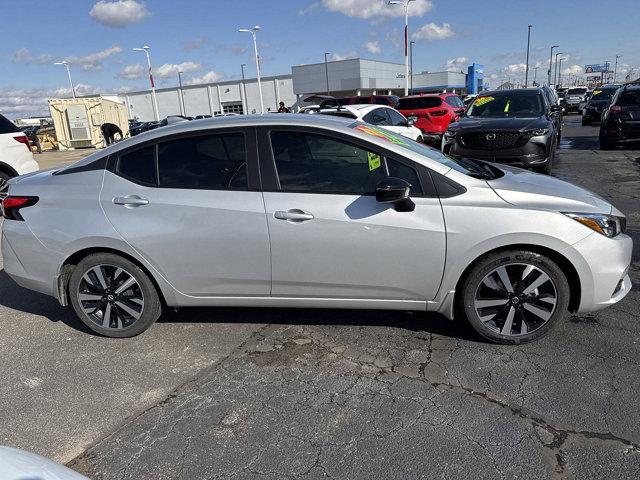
(253, 32)
(244, 88)
(526, 71)
(551, 63)
(183, 109)
(146, 49)
(555, 69)
(560, 72)
(535, 76)
(326, 71)
(411, 44)
(615, 69)
(66, 64)
(405, 3)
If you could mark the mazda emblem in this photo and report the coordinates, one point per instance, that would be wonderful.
(491, 136)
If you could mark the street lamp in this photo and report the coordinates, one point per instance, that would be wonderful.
(615, 69)
(66, 64)
(253, 32)
(405, 4)
(560, 72)
(183, 108)
(555, 70)
(326, 71)
(146, 49)
(551, 63)
(244, 89)
(526, 71)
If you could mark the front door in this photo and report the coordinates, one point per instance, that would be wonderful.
(329, 236)
(194, 217)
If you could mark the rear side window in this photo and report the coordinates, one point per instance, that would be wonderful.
(214, 162)
(629, 98)
(418, 103)
(139, 166)
(379, 116)
(7, 126)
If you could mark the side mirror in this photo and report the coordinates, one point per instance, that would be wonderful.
(411, 120)
(555, 108)
(395, 190)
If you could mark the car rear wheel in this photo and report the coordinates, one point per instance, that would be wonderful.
(419, 139)
(514, 296)
(113, 296)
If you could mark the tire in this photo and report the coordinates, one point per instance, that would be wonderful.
(131, 310)
(4, 178)
(484, 284)
(419, 139)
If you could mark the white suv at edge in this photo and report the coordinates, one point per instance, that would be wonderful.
(15, 153)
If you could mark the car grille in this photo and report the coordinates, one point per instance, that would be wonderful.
(493, 141)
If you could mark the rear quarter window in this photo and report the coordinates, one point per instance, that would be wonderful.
(7, 126)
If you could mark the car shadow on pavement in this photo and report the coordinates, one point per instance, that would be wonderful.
(15, 297)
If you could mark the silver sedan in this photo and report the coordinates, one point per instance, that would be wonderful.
(310, 211)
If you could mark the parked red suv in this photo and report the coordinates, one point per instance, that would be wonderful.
(434, 113)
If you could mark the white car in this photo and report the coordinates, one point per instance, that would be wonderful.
(379, 115)
(15, 153)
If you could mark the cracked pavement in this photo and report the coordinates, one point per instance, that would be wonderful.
(309, 394)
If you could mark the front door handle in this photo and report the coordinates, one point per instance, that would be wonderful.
(294, 215)
(131, 201)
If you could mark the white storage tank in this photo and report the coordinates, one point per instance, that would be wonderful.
(77, 121)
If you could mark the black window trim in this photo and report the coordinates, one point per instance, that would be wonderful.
(251, 152)
(269, 175)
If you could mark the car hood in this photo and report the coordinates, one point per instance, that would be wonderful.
(532, 190)
(468, 124)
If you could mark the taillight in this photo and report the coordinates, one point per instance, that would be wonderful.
(12, 205)
(615, 110)
(438, 113)
(23, 139)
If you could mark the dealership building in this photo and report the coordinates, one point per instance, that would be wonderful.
(340, 78)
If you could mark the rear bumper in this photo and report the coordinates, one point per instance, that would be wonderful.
(28, 167)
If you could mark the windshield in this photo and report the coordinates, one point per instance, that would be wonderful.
(419, 102)
(521, 105)
(464, 165)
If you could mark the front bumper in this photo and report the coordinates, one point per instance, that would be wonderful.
(532, 154)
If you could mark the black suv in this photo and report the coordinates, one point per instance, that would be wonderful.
(509, 126)
(621, 120)
(597, 103)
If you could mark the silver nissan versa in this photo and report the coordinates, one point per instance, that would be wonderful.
(310, 211)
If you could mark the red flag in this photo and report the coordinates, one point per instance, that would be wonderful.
(406, 40)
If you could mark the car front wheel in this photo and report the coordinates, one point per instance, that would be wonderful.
(514, 296)
(113, 296)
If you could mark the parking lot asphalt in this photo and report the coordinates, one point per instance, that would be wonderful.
(277, 393)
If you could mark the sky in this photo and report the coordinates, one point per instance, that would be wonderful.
(201, 39)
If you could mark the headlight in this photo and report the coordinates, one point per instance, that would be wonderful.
(450, 133)
(607, 225)
(538, 131)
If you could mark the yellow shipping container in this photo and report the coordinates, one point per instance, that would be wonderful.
(77, 121)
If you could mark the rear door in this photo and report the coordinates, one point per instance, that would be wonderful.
(329, 236)
(191, 206)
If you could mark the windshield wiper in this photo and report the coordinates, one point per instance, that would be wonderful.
(478, 169)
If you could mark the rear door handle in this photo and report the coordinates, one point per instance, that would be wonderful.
(131, 201)
(294, 215)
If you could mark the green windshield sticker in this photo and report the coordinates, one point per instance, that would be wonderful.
(506, 107)
(374, 161)
(482, 100)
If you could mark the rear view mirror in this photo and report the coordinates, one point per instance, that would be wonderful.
(395, 190)
(411, 120)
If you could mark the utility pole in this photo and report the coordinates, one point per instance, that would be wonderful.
(555, 70)
(326, 71)
(66, 64)
(526, 71)
(615, 69)
(411, 43)
(244, 90)
(551, 63)
(405, 3)
(183, 108)
(253, 32)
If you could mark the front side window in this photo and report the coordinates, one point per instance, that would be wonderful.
(139, 166)
(214, 162)
(308, 162)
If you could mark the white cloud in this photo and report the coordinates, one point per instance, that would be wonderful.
(514, 68)
(93, 61)
(209, 77)
(132, 72)
(573, 70)
(376, 8)
(456, 64)
(24, 102)
(119, 13)
(336, 57)
(373, 47)
(171, 70)
(24, 55)
(432, 31)
(309, 8)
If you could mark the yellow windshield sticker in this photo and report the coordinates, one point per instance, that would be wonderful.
(380, 133)
(482, 100)
(506, 107)
(374, 161)
(597, 92)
